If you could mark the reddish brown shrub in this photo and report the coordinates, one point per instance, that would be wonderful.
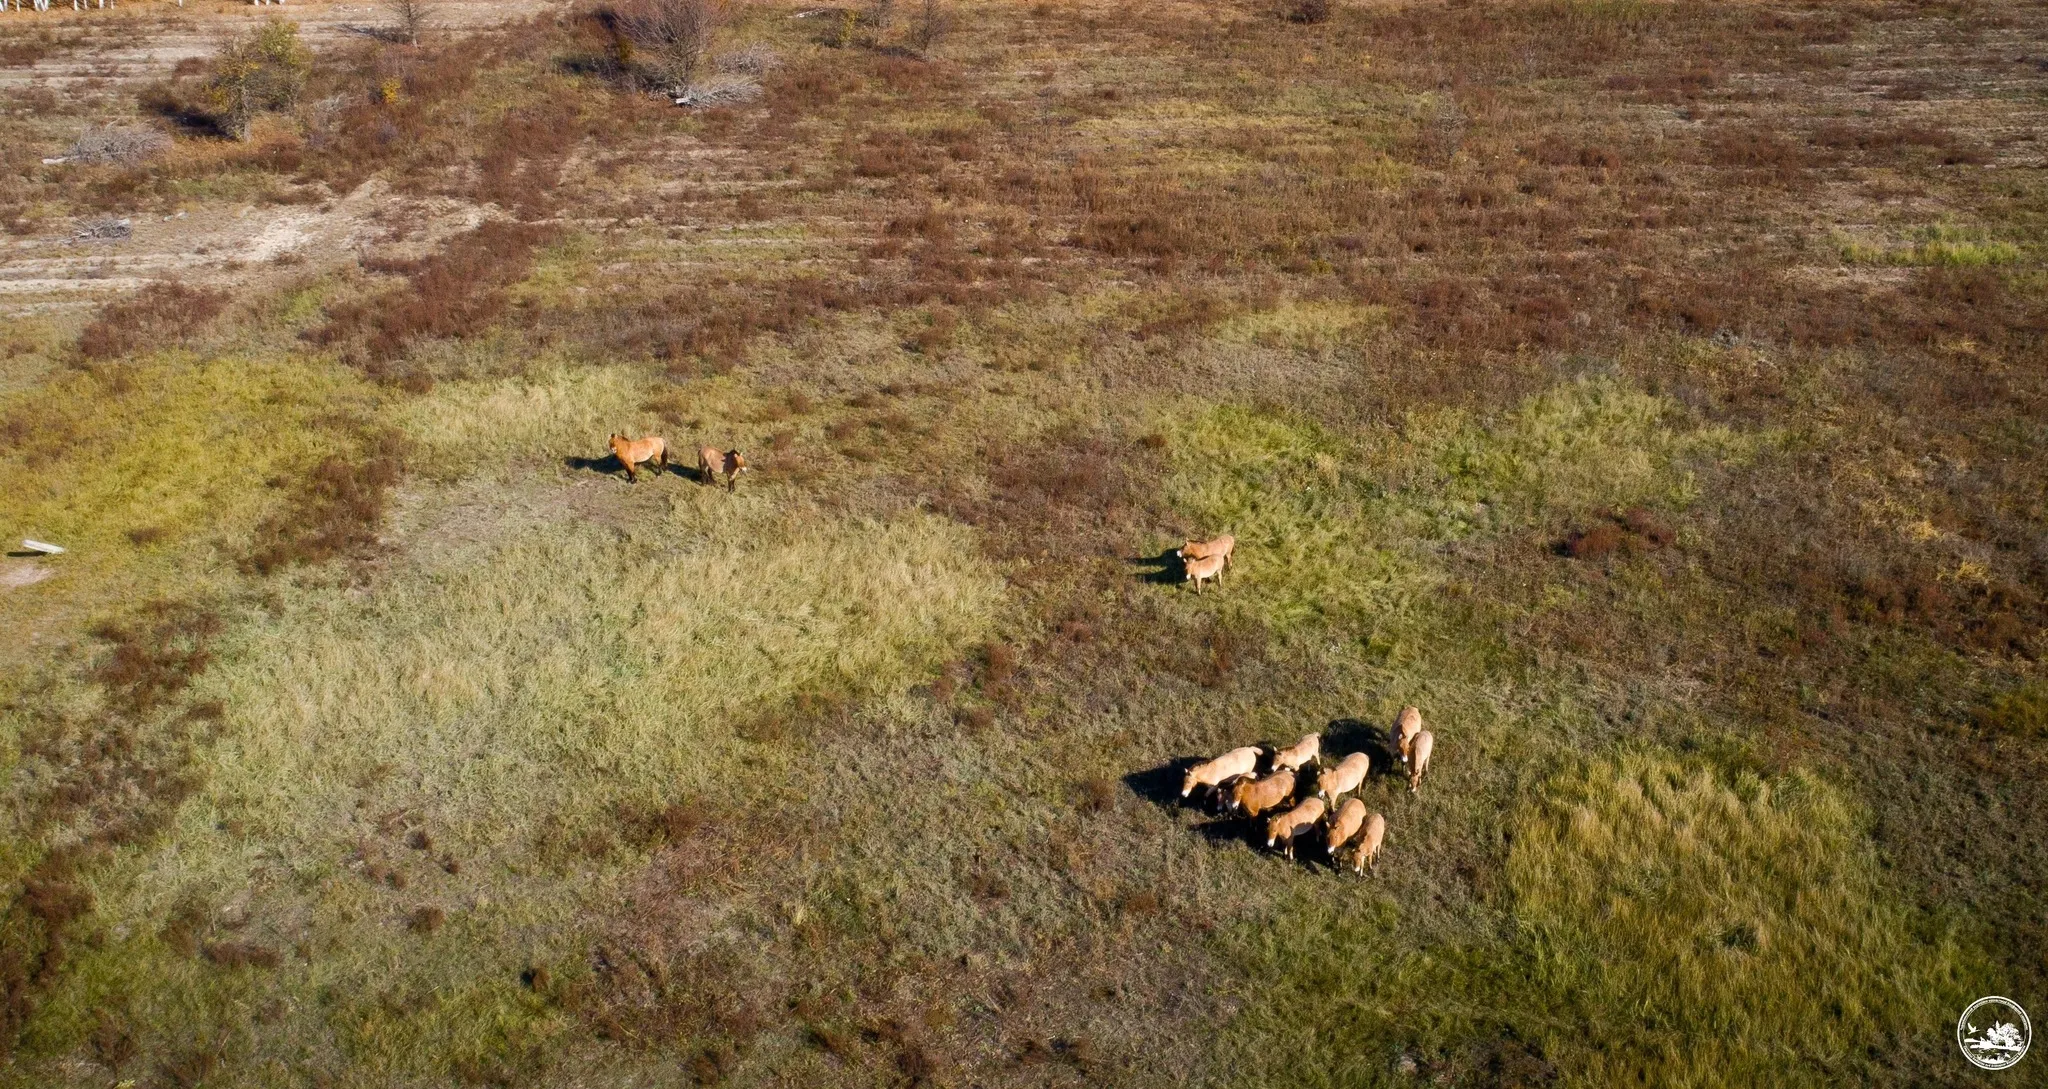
(457, 292)
(337, 513)
(1308, 11)
(240, 955)
(807, 88)
(1755, 148)
(160, 313)
(523, 165)
(1137, 235)
(151, 663)
(1595, 543)
(1653, 531)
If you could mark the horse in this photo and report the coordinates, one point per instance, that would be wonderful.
(711, 461)
(631, 452)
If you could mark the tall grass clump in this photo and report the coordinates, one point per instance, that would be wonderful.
(1662, 923)
(263, 70)
(1938, 246)
(1693, 928)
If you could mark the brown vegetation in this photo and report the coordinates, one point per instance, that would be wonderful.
(108, 780)
(336, 513)
(161, 313)
(457, 292)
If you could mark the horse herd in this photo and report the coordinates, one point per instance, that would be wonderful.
(1232, 782)
(711, 461)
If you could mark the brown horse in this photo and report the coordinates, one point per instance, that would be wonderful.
(631, 452)
(1201, 550)
(711, 461)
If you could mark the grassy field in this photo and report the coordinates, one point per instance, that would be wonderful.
(1652, 393)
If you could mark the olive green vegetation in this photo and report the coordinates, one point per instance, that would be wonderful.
(1703, 546)
(1661, 919)
(521, 676)
(458, 733)
(1340, 529)
(1663, 922)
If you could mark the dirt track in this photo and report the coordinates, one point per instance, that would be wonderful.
(143, 40)
(114, 51)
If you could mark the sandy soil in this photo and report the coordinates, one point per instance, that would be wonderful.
(231, 246)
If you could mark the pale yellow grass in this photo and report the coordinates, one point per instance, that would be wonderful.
(1717, 931)
(553, 413)
(508, 708)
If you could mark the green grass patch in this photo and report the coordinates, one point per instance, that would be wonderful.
(1938, 246)
(501, 704)
(1330, 527)
(154, 473)
(1664, 924)
(551, 414)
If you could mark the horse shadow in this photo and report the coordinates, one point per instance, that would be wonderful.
(1344, 736)
(1167, 568)
(1161, 787)
(389, 35)
(609, 464)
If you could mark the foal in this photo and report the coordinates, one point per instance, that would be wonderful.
(710, 462)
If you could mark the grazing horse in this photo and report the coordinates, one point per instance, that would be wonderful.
(1406, 726)
(1366, 853)
(711, 461)
(1418, 761)
(1199, 570)
(1201, 550)
(631, 452)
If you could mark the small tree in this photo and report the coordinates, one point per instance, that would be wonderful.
(264, 69)
(672, 38)
(929, 26)
(1308, 11)
(412, 17)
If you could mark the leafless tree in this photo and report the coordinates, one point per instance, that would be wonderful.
(412, 17)
(929, 26)
(672, 38)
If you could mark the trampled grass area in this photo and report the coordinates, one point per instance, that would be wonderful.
(1649, 392)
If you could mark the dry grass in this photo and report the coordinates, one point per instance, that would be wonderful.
(1649, 392)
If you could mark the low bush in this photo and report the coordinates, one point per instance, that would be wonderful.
(115, 144)
(458, 292)
(160, 314)
(337, 513)
(260, 71)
